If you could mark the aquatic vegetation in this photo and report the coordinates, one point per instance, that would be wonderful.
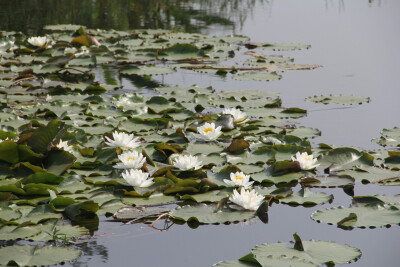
(123, 140)
(248, 199)
(64, 146)
(238, 115)
(297, 253)
(187, 162)
(76, 145)
(137, 178)
(307, 162)
(208, 132)
(239, 179)
(37, 41)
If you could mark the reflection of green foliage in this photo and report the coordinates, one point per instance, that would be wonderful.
(190, 16)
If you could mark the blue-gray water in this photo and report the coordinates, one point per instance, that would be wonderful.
(357, 42)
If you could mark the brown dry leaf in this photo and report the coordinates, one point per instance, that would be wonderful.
(85, 40)
(255, 54)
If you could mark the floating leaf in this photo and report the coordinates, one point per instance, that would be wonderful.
(277, 47)
(43, 138)
(302, 254)
(390, 137)
(257, 76)
(9, 214)
(359, 216)
(315, 253)
(211, 196)
(27, 255)
(344, 158)
(330, 181)
(205, 214)
(369, 174)
(307, 198)
(339, 99)
(134, 213)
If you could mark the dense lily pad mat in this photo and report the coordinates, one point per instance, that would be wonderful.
(68, 137)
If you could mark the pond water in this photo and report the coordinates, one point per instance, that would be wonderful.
(357, 44)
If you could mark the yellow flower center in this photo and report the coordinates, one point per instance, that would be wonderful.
(208, 129)
(239, 178)
(130, 158)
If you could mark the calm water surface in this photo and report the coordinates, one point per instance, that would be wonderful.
(357, 43)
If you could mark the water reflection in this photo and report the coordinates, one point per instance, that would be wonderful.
(91, 249)
(191, 16)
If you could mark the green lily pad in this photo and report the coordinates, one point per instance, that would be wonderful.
(330, 181)
(9, 214)
(369, 216)
(267, 177)
(390, 137)
(135, 213)
(279, 47)
(339, 99)
(211, 196)
(27, 255)
(154, 199)
(203, 148)
(257, 76)
(302, 254)
(315, 253)
(38, 214)
(306, 197)
(344, 158)
(12, 232)
(369, 174)
(304, 132)
(205, 214)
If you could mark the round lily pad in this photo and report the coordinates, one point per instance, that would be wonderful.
(306, 197)
(206, 214)
(339, 99)
(257, 76)
(359, 216)
(37, 256)
(331, 181)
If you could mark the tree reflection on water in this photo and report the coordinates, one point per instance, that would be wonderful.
(190, 16)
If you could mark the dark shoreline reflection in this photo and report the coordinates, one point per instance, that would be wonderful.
(191, 16)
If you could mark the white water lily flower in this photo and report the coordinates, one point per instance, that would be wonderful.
(130, 160)
(239, 179)
(307, 162)
(249, 200)
(137, 178)
(238, 115)
(208, 132)
(187, 162)
(7, 139)
(64, 145)
(37, 41)
(123, 140)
